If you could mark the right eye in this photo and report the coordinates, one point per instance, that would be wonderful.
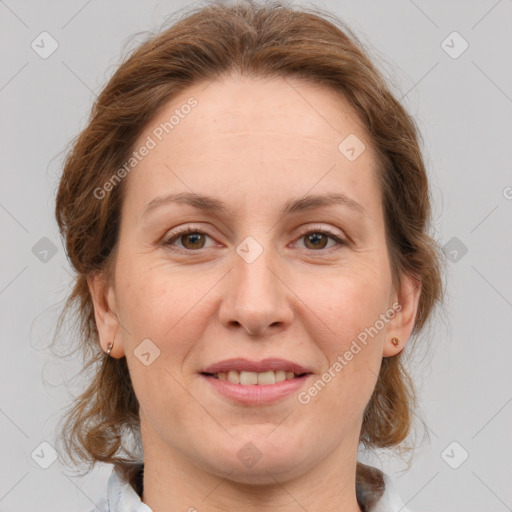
(191, 238)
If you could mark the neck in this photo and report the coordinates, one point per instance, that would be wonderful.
(174, 482)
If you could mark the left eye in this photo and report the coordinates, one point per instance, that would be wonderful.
(194, 239)
(319, 239)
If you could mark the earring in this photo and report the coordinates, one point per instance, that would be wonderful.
(109, 348)
(395, 341)
(111, 344)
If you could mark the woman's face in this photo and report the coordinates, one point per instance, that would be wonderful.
(261, 276)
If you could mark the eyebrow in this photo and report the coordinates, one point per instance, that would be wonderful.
(211, 204)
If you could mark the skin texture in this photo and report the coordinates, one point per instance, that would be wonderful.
(254, 144)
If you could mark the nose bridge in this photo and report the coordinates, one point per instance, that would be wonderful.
(256, 296)
(253, 269)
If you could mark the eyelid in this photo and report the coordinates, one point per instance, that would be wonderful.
(339, 237)
(320, 229)
(178, 232)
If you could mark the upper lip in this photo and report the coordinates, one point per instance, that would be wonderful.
(271, 364)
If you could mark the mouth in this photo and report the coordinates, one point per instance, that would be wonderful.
(248, 378)
(249, 388)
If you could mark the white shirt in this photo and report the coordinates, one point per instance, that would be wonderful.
(122, 497)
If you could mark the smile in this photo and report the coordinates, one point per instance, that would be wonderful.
(250, 392)
(247, 378)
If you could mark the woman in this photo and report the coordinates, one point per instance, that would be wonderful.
(247, 213)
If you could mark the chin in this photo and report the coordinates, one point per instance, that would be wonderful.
(264, 472)
(259, 461)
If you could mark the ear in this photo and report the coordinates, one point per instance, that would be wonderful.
(402, 324)
(105, 314)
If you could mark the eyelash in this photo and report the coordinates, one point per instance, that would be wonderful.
(303, 232)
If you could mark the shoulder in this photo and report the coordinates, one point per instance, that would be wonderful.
(376, 490)
(390, 500)
(121, 496)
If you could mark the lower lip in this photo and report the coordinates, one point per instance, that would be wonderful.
(257, 394)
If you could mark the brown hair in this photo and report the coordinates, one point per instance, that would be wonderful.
(267, 40)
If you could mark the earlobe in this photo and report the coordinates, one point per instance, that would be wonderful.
(401, 326)
(105, 314)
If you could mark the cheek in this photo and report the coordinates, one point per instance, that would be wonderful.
(343, 312)
(346, 300)
(165, 308)
(152, 295)
(165, 305)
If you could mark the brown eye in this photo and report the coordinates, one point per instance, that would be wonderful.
(190, 239)
(316, 240)
(195, 240)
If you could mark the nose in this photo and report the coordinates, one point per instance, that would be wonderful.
(256, 297)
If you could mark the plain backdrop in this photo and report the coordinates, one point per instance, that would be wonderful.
(449, 62)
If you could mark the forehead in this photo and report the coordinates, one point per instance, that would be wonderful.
(252, 138)
(241, 105)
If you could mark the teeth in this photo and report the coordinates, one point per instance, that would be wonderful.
(251, 378)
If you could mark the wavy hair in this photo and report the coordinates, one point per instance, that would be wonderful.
(266, 40)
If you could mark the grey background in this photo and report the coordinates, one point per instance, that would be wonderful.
(464, 109)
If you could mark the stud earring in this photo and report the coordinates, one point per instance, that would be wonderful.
(395, 341)
(111, 344)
